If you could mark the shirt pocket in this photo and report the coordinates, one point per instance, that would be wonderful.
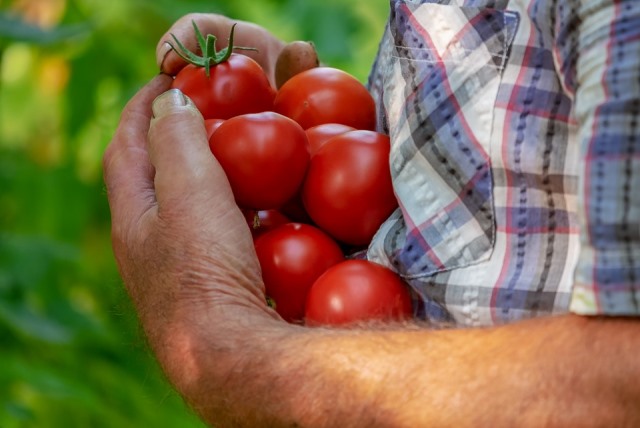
(439, 93)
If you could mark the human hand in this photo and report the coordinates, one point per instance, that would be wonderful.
(182, 245)
(186, 257)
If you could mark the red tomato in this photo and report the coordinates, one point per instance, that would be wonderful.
(318, 135)
(326, 95)
(211, 125)
(357, 290)
(347, 191)
(292, 257)
(234, 87)
(294, 209)
(263, 221)
(265, 157)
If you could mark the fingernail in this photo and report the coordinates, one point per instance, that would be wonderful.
(163, 51)
(168, 101)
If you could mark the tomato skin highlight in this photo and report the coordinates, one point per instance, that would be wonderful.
(348, 190)
(264, 156)
(260, 222)
(234, 87)
(292, 257)
(210, 125)
(320, 134)
(326, 95)
(356, 291)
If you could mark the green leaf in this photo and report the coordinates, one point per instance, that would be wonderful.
(26, 260)
(15, 29)
(25, 321)
(18, 412)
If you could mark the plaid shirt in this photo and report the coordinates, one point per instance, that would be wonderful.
(515, 130)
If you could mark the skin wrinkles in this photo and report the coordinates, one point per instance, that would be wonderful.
(188, 263)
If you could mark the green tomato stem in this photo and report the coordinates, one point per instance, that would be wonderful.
(210, 55)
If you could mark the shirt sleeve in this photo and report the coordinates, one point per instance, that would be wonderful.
(597, 51)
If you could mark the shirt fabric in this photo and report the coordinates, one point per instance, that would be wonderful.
(515, 156)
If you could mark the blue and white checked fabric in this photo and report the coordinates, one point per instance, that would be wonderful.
(515, 130)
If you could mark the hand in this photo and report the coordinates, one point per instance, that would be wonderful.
(181, 243)
(187, 260)
(185, 254)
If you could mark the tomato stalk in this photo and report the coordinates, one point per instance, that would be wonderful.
(210, 56)
(256, 221)
(271, 303)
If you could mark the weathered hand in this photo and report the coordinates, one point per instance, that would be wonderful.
(187, 260)
(182, 245)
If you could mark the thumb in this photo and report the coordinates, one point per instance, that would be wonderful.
(179, 151)
(295, 58)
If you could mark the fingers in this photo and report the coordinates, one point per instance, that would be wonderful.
(195, 200)
(168, 61)
(179, 151)
(295, 58)
(246, 34)
(128, 173)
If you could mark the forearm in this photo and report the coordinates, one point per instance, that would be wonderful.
(187, 258)
(565, 371)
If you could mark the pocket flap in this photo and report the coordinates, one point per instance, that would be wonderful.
(439, 92)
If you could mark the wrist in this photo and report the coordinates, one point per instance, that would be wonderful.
(221, 375)
(202, 339)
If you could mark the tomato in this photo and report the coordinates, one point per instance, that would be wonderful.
(263, 221)
(347, 190)
(357, 290)
(237, 86)
(265, 157)
(292, 257)
(294, 209)
(326, 95)
(320, 134)
(211, 125)
(222, 84)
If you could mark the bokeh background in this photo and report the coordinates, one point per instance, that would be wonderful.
(71, 353)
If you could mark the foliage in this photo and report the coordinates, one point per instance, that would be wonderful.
(71, 351)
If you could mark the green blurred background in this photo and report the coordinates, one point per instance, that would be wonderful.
(71, 353)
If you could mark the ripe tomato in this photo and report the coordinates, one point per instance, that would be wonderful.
(318, 135)
(234, 87)
(211, 125)
(347, 191)
(265, 157)
(292, 257)
(263, 221)
(326, 95)
(357, 290)
(294, 209)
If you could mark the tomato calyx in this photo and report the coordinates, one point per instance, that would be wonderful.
(270, 302)
(256, 221)
(210, 55)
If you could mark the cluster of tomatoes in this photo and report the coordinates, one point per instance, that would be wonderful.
(311, 174)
